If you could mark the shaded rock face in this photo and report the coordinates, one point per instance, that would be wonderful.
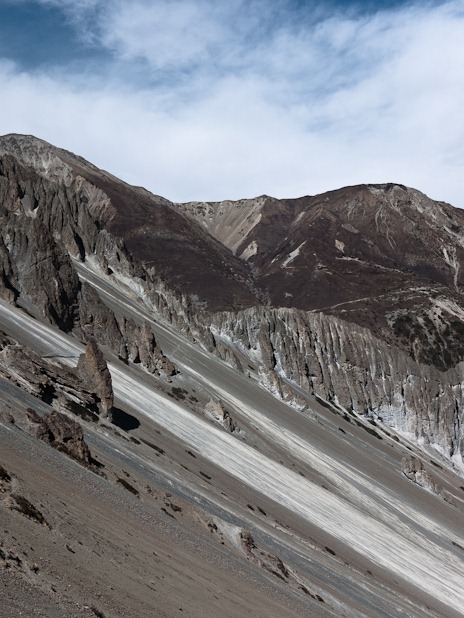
(93, 370)
(61, 432)
(144, 349)
(34, 266)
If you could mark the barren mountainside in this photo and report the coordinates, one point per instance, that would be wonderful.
(280, 374)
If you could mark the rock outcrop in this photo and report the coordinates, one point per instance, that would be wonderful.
(413, 469)
(144, 349)
(216, 410)
(60, 432)
(93, 370)
(130, 341)
(35, 267)
(45, 378)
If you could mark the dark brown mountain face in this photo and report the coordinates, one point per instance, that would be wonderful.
(383, 256)
(160, 237)
(169, 245)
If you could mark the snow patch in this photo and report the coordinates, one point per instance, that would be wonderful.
(250, 251)
(340, 245)
(292, 255)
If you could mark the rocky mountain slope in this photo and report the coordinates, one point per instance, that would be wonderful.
(290, 370)
(383, 256)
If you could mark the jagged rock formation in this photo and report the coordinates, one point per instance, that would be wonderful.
(44, 378)
(346, 364)
(144, 349)
(353, 295)
(130, 341)
(216, 410)
(60, 432)
(93, 370)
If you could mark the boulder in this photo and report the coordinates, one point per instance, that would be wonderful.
(61, 432)
(93, 370)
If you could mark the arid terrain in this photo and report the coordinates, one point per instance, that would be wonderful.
(246, 408)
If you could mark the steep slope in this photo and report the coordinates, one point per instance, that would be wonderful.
(345, 364)
(331, 491)
(75, 197)
(384, 257)
(316, 505)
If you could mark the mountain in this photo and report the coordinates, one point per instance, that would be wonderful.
(227, 409)
(366, 254)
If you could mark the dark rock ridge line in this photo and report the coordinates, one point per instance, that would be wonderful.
(382, 263)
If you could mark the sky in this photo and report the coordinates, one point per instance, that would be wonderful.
(211, 100)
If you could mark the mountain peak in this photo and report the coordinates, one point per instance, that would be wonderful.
(33, 152)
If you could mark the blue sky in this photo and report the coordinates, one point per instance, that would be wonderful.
(210, 100)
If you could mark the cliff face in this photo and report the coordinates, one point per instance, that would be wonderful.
(345, 364)
(51, 218)
(35, 265)
(354, 296)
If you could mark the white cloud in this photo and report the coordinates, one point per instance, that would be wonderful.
(209, 100)
(174, 35)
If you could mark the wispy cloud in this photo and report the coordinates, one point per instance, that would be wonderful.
(214, 100)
